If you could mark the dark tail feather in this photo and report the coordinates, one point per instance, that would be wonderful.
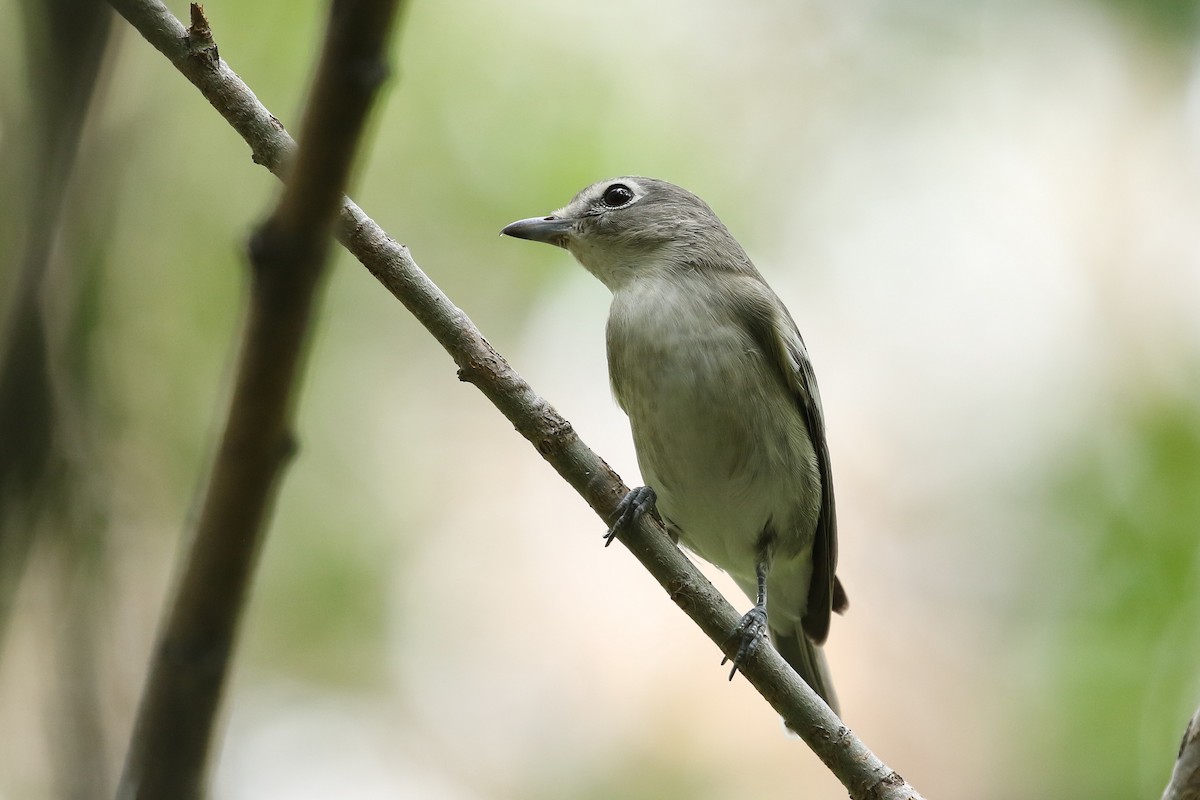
(808, 659)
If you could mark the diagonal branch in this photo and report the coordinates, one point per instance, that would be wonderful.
(859, 770)
(1185, 778)
(169, 748)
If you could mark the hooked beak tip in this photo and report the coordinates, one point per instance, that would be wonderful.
(549, 230)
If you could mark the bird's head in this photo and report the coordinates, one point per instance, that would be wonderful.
(624, 228)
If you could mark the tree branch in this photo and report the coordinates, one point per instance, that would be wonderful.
(1185, 778)
(859, 770)
(169, 748)
(67, 42)
(48, 410)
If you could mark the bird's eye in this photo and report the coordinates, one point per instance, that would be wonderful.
(617, 195)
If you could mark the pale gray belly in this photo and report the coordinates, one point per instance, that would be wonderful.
(721, 441)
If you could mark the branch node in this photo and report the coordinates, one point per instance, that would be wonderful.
(288, 448)
(558, 433)
(201, 45)
(262, 248)
(272, 252)
(199, 26)
(889, 785)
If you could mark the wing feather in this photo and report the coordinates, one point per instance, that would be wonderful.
(773, 329)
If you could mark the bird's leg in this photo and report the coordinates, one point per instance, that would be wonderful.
(633, 505)
(753, 626)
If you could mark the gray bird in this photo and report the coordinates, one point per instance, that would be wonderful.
(711, 370)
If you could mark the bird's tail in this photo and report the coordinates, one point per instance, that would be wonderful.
(808, 659)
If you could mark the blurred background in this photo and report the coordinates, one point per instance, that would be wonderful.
(983, 216)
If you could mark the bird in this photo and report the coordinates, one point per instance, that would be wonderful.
(711, 370)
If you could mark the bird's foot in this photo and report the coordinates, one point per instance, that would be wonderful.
(633, 505)
(750, 632)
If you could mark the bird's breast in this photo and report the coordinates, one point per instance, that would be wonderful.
(717, 433)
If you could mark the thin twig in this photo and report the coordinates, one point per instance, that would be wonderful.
(1185, 777)
(173, 732)
(859, 770)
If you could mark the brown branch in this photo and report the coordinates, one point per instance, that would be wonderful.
(48, 414)
(67, 42)
(859, 770)
(169, 748)
(1185, 777)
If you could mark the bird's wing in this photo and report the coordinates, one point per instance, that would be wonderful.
(772, 328)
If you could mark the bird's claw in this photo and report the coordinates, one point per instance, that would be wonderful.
(750, 632)
(633, 505)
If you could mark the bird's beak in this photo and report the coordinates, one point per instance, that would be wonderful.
(551, 230)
